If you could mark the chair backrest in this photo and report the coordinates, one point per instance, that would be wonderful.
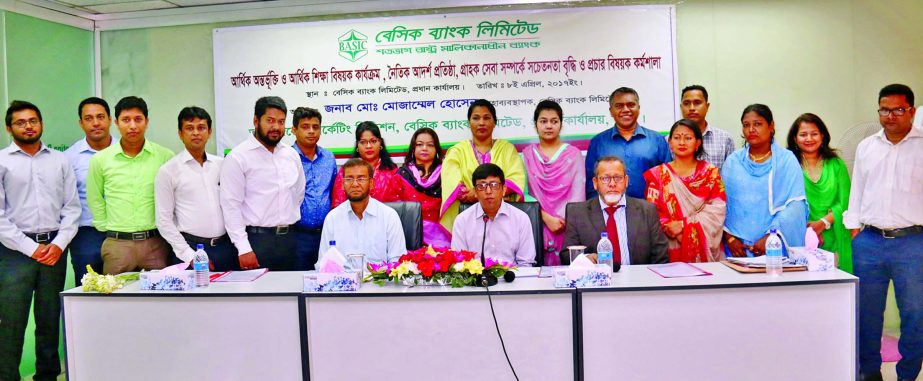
(411, 215)
(534, 211)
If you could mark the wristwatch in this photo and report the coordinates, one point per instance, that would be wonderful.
(826, 224)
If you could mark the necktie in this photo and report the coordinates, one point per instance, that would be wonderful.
(613, 232)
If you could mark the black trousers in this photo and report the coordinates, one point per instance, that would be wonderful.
(22, 277)
(275, 252)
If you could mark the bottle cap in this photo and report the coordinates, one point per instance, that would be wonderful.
(773, 231)
(199, 246)
(333, 243)
(604, 235)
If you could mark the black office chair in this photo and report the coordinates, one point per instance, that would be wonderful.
(411, 215)
(534, 211)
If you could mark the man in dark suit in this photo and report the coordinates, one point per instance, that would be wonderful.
(633, 224)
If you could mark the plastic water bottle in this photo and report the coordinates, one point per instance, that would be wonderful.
(200, 265)
(604, 250)
(774, 253)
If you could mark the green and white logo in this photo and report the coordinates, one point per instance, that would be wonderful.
(353, 45)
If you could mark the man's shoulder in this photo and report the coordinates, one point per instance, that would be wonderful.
(76, 148)
(641, 204)
(719, 134)
(602, 136)
(577, 210)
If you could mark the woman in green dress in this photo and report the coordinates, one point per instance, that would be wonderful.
(826, 185)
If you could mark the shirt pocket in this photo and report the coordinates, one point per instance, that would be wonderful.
(911, 177)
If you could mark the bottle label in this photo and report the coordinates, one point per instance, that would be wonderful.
(200, 266)
(605, 256)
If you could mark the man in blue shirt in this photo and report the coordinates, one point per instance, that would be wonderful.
(95, 121)
(320, 169)
(639, 148)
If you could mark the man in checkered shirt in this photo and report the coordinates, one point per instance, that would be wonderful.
(718, 143)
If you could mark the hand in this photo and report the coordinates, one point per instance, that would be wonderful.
(818, 227)
(50, 255)
(673, 228)
(854, 232)
(211, 266)
(737, 248)
(39, 254)
(467, 195)
(591, 257)
(556, 225)
(759, 248)
(248, 261)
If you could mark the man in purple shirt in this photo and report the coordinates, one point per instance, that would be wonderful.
(503, 231)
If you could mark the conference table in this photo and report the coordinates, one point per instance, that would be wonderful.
(726, 326)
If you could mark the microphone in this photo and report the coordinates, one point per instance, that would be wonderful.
(485, 280)
(509, 276)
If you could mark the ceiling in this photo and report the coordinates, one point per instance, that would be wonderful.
(122, 6)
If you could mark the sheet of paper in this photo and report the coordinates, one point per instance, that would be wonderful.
(527, 272)
(548, 271)
(677, 270)
(241, 276)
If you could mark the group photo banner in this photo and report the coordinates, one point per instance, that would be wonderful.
(406, 73)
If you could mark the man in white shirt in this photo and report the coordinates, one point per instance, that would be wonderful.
(363, 225)
(885, 215)
(186, 197)
(262, 186)
(95, 121)
(717, 142)
(39, 209)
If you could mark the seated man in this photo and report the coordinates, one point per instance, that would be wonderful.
(504, 232)
(633, 224)
(362, 225)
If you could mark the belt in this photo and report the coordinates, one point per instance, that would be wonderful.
(277, 230)
(211, 242)
(45, 237)
(896, 233)
(134, 236)
(307, 230)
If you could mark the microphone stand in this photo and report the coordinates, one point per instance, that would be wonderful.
(485, 279)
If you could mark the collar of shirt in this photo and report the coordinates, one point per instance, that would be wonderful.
(186, 157)
(82, 146)
(603, 205)
(372, 209)
(318, 153)
(504, 210)
(253, 144)
(13, 148)
(914, 133)
(639, 130)
(145, 148)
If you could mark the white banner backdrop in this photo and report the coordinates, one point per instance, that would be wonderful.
(405, 73)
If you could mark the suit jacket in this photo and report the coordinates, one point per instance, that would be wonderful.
(646, 242)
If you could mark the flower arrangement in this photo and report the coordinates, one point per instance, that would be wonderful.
(105, 284)
(436, 266)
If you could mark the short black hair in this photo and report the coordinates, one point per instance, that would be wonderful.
(131, 102)
(92, 101)
(482, 103)
(486, 170)
(826, 152)
(692, 125)
(305, 112)
(623, 90)
(193, 112)
(547, 104)
(358, 162)
(16, 106)
(694, 88)
(266, 102)
(897, 89)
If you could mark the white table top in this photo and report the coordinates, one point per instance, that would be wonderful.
(630, 278)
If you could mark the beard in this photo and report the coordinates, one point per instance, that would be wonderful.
(266, 139)
(24, 140)
(612, 199)
(358, 198)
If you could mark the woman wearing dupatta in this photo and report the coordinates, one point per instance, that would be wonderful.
(421, 183)
(371, 148)
(764, 188)
(826, 184)
(461, 160)
(555, 176)
(689, 196)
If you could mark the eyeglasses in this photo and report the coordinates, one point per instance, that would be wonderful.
(493, 185)
(359, 180)
(611, 179)
(896, 111)
(370, 142)
(23, 122)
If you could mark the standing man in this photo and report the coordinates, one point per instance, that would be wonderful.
(262, 186)
(40, 209)
(638, 147)
(320, 170)
(717, 142)
(885, 216)
(95, 121)
(364, 224)
(120, 192)
(186, 197)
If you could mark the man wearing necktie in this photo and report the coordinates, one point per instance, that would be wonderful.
(632, 224)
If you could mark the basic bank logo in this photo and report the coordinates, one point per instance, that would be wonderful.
(353, 45)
